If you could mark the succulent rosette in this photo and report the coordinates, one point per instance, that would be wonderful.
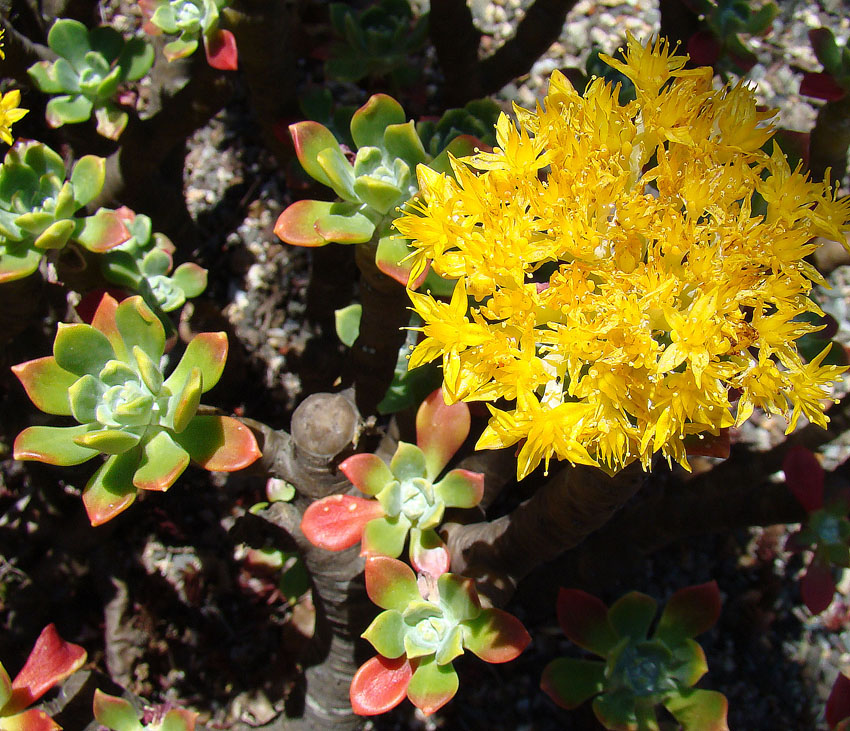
(407, 498)
(50, 662)
(38, 208)
(192, 21)
(86, 76)
(144, 264)
(826, 532)
(107, 376)
(419, 635)
(381, 177)
(118, 714)
(639, 671)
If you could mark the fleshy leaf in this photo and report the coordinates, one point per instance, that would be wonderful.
(367, 472)
(49, 663)
(460, 489)
(18, 264)
(186, 401)
(162, 462)
(191, 278)
(569, 681)
(428, 553)
(337, 521)
(384, 536)
(81, 349)
(108, 441)
(379, 685)
(821, 85)
(804, 477)
(110, 490)
(370, 121)
(207, 351)
(179, 719)
(584, 619)
(432, 686)
(390, 584)
(689, 612)
(87, 178)
(32, 720)
(347, 324)
(440, 430)
(390, 258)
(451, 647)
(114, 713)
(631, 615)
(102, 231)
(495, 636)
(386, 633)
(817, 587)
(699, 710)
(139, 326)
(310, 138)
(104, 321)
(458, 597)
(408, 462)
(219, 443)
(220, 48)
(616, 711)
(54, 445)
(838, 703)
(690, 663)
(47, 384)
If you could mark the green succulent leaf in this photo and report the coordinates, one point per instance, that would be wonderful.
(87, 179)
(372, 119)
(432, 685)
(208, 353)
(162, 462)
(616, 711)
(458, 597)
(54, 445)
(390, 584)
(408, 462)
(699, 710)
(495, 636)
(111, 490)
(310, 138)
(631, 615)
(689, 612)
(402, 142)
(184, 404)
(115, 713)
(385, 536)
(47, 384)
(347, 323)
(67, 109)
(386, 633)
(140, 327)
(69, 39)
(109, 441)
(81, 349)
(569, 681)
(56, 235)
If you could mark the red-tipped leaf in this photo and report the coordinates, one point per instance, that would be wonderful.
(804, 477)
(440, 430)
(50, 662)
(220, 47)
(336, 522)
(367, 472)
(495, 636)
(821, 85)
(584, 619)
(689, 612)
(219, 443)
(379, 685)
(390, 584)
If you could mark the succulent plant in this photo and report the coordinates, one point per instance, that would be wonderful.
(408, 499)
(639, 671)
(719, 42)
(107, 376)
(475, 119)
(833, 83)
(826, 532)
(50, 662)
(192, 21)
(119, 715)
(38, 206)
(144, 262)
(376, 42)
(381, 178)
(421, 633)
(92, 64)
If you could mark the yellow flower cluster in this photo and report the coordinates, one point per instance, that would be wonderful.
(9, 112)
(625, 271)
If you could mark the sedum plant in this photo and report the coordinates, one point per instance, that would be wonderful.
(376, 42)
(639, 670)
(38, 206)
(425, 626)
(833, 83)
(826, 532)
(193, 21)
(91, 67)
(615, 284)
(371, 188)
(144, 264)
(107, 375)
(408, 499)
(49, 663)
(118, 714)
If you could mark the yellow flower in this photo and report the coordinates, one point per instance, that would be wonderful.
(9, 114)
(614, 287)
(2, 52)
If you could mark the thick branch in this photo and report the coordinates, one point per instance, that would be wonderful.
(559, 516)
(455, 39)
(538, 30)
